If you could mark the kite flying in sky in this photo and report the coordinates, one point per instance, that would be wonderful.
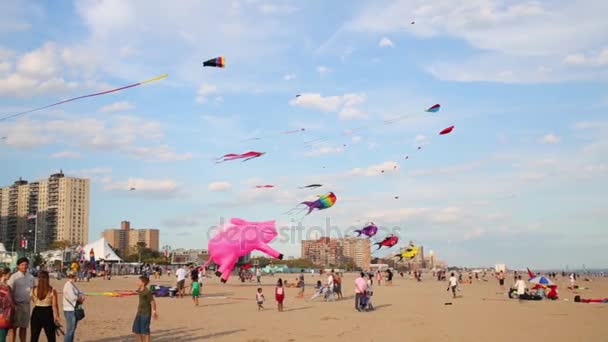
(85, 96)
(324, 202)
(267, 186)
(217, 62)
(388, 241)
(409, 253)
(446, 130)
(368, 231)
(311, 186)
(434, 109)
(246, 156)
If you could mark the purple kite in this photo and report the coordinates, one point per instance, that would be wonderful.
(368, 231)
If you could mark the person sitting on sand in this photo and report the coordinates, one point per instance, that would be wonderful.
(552, 292)
(520, 285)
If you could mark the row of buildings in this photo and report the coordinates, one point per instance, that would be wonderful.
(331, 252)
(35, 214)
(338, 252)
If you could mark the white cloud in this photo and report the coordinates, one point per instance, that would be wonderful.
(375, 170)
(345, 105)
(205, 90)
(550, 139)
(532, 176)
(117, 107)
(289, 77)
(599, 59)
(219, 186)
(161, 153)
(323, 70)
(323, 150)
(119, 133)
(66, 154)
(268, 8)
(385, 42)
(523, 41)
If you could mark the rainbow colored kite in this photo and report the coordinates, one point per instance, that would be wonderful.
(217, 62)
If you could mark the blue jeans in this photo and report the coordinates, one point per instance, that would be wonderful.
(70, 329)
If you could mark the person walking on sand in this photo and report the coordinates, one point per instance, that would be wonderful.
(259, 298)
(520, 285)
(258, 275)
(501, 280)
(360, 288)
(146, 309)
(453, 284)
(338, 286)
(46, 311)
(279, 294)
(21, 284)
(181, 275)
(301, 284)
(72, 297)
(378, 277)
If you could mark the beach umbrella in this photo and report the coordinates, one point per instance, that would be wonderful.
(540, 280)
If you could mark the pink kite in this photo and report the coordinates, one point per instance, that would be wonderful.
(238, 238)
(234, 156)
(446, 130)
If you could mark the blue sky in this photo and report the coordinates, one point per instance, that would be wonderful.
(521, 179)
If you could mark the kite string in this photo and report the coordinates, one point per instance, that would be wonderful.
(84, 96)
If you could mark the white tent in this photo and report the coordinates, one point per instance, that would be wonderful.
(102, 250)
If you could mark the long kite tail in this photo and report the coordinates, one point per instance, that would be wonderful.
(85, 96)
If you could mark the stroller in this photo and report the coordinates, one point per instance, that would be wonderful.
(365, 301)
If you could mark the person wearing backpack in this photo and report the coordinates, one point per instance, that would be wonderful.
(72, 299)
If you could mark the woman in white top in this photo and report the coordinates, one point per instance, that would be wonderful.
(46, 310)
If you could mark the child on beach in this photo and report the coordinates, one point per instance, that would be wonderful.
(259, 298)
(279, 294)
(146, 309)
(196, 289)
(453, 285)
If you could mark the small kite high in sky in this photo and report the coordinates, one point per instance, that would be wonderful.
(434, 108)
(446, 130)
(131, 189)
(217, 62)
(368, 231)
(324, 202)
(311, 186)
(294, 131)
(388, 241)
(233, 156)
(85, 96)
(267, 186)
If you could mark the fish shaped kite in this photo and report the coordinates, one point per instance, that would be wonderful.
(409, 253)
(446, 130)
(233, 156)
(388, 241)
(324, 202)
(311, 186)
(434, 108)
(85, 96)
(368, 231)
(217, 62)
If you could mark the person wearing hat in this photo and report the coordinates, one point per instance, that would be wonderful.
(71, 297)
(21, 284)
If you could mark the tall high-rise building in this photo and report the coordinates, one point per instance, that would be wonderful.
(58, 208)
(358, 250)
(330, 252)
(126, 238)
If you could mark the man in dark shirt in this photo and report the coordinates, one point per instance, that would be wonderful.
(146, 309)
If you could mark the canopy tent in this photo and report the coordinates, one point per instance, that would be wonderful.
(102, 250)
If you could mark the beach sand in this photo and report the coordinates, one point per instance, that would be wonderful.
(407, 310)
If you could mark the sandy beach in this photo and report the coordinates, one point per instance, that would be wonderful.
(407, 310)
